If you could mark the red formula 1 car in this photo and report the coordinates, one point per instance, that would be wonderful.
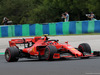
(43, 48)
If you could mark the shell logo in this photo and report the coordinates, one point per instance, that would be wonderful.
(33, 50)
(73, 49)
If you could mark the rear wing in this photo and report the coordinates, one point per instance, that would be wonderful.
(21, 41)
(13, 42)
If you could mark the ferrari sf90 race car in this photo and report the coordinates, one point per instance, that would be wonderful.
(43, 48)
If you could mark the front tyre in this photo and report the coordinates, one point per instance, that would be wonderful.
(12, 54)
(84, 47)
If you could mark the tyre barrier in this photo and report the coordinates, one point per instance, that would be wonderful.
(59, 28)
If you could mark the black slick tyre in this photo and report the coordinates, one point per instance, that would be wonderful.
(84, 47)
(12, 54)
(49, 52)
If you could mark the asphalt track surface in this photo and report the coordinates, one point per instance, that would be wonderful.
(57, 67)
(73, 66)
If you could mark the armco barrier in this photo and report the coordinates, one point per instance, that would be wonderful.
(59, 28)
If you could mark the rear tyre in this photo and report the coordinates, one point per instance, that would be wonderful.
(84, 47)
(49, 52)
(12, 54)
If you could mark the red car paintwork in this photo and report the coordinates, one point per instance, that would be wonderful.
(40, 43)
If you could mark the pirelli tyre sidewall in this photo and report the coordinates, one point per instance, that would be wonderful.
(84, 47)
(12, 54)
(49, 52)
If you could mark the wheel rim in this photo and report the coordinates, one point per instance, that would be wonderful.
(7, 55)
(47, 54)
(81, 49)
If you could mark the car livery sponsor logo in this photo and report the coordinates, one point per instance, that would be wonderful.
(70, 47)
(20, 40)
(33, 50)
(73, 49)
(29, 50)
